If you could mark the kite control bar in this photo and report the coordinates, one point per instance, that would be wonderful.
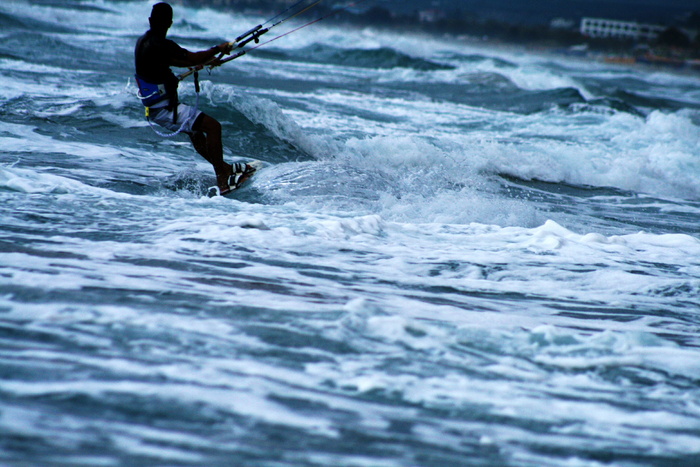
(254, 34)
(241, 41)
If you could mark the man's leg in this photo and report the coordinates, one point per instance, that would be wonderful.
(206, 139)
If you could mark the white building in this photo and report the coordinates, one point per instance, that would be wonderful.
(597, 27)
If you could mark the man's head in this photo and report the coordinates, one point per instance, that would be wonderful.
(161, 17)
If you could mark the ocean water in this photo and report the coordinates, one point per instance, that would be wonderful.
(457, 254)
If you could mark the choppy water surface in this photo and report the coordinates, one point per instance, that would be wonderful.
(457, 255)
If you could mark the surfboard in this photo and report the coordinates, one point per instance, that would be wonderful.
(237, 180)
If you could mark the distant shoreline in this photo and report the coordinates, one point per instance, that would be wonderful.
(559, 41)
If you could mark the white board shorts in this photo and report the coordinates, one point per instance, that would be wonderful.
(186, 116)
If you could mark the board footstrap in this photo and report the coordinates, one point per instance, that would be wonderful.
(241, 173)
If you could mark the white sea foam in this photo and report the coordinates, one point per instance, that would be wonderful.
(388, 298)
(28, 181)
(653, 155)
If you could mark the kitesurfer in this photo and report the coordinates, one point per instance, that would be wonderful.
(154, 55)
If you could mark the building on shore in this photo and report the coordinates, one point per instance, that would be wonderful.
(608, 28)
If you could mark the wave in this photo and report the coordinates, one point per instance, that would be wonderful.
(653, 155)
(10, 22)
(596, 143)
(379, 58)
(502, 97)
(29, 181)
(656, 103)
(480, 58)
(607, 105)
(47, 49)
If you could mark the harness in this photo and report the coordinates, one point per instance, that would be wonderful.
(150, 93)
(153, 93)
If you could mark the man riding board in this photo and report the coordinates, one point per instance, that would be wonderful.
(154, 55)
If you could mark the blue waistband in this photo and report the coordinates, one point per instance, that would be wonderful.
(150, 93)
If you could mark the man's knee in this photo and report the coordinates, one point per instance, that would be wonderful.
(208, 125)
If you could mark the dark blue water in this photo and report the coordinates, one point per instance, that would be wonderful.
(455, 255)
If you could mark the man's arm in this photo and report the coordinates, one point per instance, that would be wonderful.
(199, 58)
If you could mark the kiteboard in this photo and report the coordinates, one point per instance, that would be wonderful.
(238, 180)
